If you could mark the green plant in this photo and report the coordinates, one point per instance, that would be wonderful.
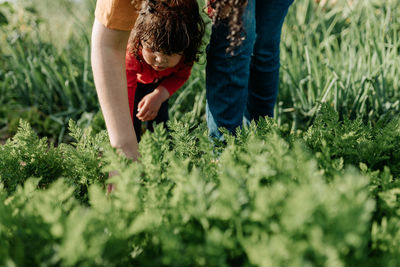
(271, 198)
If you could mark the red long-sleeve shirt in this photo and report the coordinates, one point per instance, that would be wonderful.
(137, 70)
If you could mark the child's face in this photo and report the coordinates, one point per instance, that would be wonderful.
(158, 60)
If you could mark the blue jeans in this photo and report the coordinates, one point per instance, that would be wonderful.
(244, 86)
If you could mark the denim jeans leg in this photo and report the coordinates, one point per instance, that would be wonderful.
(227, 76)
(264, 68)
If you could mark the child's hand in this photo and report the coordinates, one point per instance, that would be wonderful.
(150, 104)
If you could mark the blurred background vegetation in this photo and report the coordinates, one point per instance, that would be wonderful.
(344, 52)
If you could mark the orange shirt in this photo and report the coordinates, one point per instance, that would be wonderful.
(117, 14)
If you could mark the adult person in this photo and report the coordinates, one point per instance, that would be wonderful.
(242, 72)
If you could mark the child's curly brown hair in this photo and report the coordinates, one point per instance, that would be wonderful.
(230, 12)
(169, 27)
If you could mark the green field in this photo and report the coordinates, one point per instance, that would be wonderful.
(318, 185)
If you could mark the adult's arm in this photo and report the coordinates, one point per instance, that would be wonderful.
(108, 64)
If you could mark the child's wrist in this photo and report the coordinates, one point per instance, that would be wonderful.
(162, 92)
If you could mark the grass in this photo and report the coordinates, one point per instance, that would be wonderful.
(54, 78)
(346, 54)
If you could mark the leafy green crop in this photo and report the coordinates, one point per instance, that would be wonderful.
(270, 198)
(26, 156)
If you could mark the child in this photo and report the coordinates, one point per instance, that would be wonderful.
(163, 46)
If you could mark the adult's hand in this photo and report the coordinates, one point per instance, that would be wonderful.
(108, 64)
